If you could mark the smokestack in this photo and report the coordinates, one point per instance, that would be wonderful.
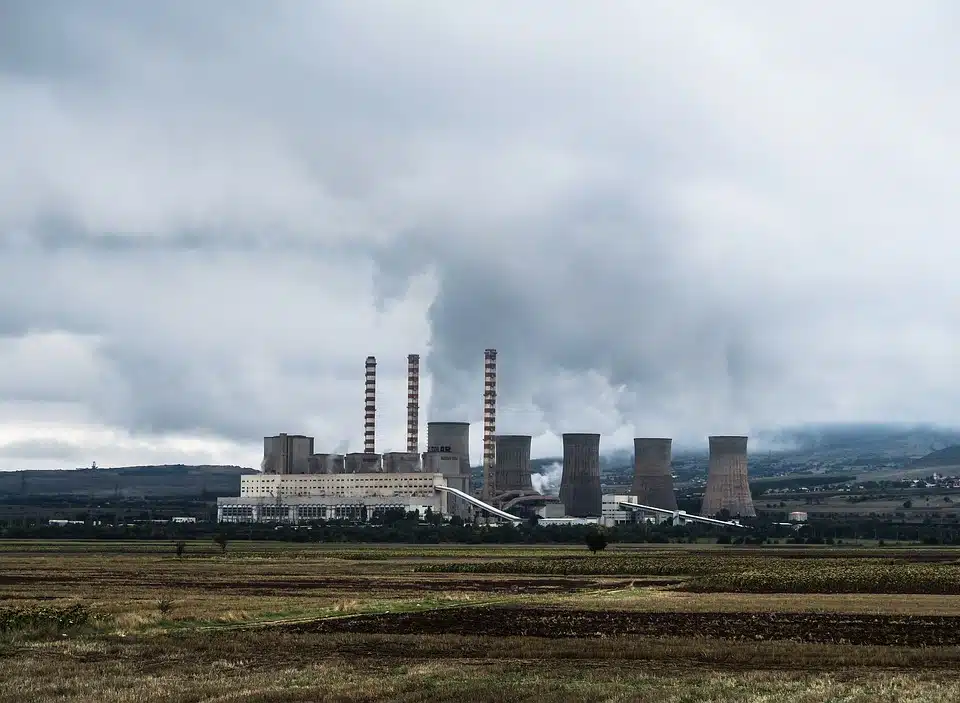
(490, 488)
(580, 482)
(727, 484)
(652, 480)
(413, 403)
(370, 407)
(513, 463)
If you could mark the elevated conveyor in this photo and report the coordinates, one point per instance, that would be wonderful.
(681, 515)
(479, 503)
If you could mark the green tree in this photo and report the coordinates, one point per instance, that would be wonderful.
(596, 540)
(221, 540)
(180, 547)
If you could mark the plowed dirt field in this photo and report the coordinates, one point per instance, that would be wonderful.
(497, 621)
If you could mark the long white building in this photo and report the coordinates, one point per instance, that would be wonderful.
(295, 498)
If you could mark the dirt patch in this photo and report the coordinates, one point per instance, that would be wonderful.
(496, 621)
(260, 587)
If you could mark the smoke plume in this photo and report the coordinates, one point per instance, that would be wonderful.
(548, 482)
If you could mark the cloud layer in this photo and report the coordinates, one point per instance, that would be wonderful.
(670, 218)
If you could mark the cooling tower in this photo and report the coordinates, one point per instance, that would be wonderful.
(652, 479)
(451, 438)
(727, 486)
(580, 481)
(513, 463)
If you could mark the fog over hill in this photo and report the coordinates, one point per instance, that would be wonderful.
(126, 481)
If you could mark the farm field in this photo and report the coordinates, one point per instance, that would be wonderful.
(123, 622)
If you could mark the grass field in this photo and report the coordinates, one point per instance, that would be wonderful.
(283, 622)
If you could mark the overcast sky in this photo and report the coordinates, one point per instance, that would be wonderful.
(671, 218)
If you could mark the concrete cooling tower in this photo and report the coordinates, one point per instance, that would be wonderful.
(450, 438)
(513, 463)
(652, 478)
(580, 481)
(727, 486)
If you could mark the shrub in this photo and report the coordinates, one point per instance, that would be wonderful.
(43, 618)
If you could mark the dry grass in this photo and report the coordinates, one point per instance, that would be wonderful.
(202, 648)
(251, 667)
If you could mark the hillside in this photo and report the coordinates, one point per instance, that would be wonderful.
(949, 456)
(126, 482)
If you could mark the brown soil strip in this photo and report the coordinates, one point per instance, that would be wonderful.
(501, 621)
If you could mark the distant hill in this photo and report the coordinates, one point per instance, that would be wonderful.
(949, 456)
(843, 441)
(126, 481)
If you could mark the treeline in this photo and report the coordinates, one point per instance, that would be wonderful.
(407, 531)
(399, 527)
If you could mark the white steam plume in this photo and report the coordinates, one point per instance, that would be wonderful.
(548, 483)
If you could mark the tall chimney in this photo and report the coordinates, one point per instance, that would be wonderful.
(413, 403)
(489, 422)
(370, 407)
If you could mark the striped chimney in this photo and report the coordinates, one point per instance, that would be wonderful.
(413, 403)
(489, 422)
(370, 407)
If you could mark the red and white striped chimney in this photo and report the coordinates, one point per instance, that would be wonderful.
(413, 403)
(370, 407)
(489, 421)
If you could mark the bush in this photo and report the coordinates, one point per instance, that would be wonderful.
(43, 618)
(596, 541)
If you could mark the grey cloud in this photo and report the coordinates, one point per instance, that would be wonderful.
(667, 217)
(38, 449)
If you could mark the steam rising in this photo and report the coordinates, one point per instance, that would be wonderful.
(548, 483)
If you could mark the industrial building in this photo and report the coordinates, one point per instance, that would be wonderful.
(363, 463)
(652, 477)
(401, 463)
(448, 453)
(326, 464)
(727, 485)
(580, 480)
(295, 499)
(287, 454)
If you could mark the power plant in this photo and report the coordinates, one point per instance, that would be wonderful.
(298, 485)
(580, 481)
(652, 477)
(727, 485)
